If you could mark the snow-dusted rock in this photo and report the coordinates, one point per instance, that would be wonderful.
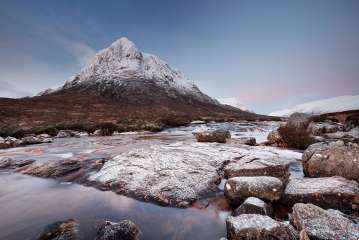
(124, 230)
(332, 159)
(254, 166)
(275, 139)
(254, 205)
(238, 189)
(62, 230)
(258, 227)
(323, 224)
(327, 192)
(174, 174)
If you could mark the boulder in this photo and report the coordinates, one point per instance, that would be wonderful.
(321, 128)
(237, 189)
(52, 169)
(253, 166)
(62, 230)
(327, 192)
(258, 227)
(254, 205)
(323, 224)
(332, 159)
(299, 120)
(251, 141)
(124, 230)
(275, 139)
(219, 136)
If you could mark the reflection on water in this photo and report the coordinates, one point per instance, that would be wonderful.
(27, 204)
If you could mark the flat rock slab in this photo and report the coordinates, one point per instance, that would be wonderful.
(254, 166)
(8, 163)
(332, 159)
(322, 224)
(258, 227)
(52, 169)
(327, 192)
(175, 174)
(237, 189)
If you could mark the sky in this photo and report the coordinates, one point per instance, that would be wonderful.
(269, 54)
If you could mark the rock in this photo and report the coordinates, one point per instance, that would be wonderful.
(219, 136)
(9, 163)
(44, 135)
(321, 128)
(67, 133)
(254, 205)
(35, 140)
(62, 230)
(327, 192)
(124, 230)
(97, 132)
(251, 141)
(3, 143)
(323, 224)
(238, 189)
(13, 142)
(256, 166)
(275, 139)
(258, 227)
(299, 120)
(332, 159)
(172, 174)
(52, 169)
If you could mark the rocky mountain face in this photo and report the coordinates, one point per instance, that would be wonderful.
(121, 86)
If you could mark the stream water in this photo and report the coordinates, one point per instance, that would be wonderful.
(27, 204)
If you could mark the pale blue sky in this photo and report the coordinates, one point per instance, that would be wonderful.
(270, 54)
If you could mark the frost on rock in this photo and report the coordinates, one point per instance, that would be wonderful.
(174, 174)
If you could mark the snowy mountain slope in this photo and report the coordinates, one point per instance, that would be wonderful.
(123, 65)
(336, 104)
(234, 102)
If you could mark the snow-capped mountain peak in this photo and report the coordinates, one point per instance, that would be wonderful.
(122, 63)
(335, 104)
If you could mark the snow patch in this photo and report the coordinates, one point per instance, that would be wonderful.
(336, 104)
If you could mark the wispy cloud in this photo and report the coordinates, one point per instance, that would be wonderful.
(82, 52)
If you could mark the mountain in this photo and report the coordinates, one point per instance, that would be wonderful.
(330, 105)
(234, 102)
(121, 86)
